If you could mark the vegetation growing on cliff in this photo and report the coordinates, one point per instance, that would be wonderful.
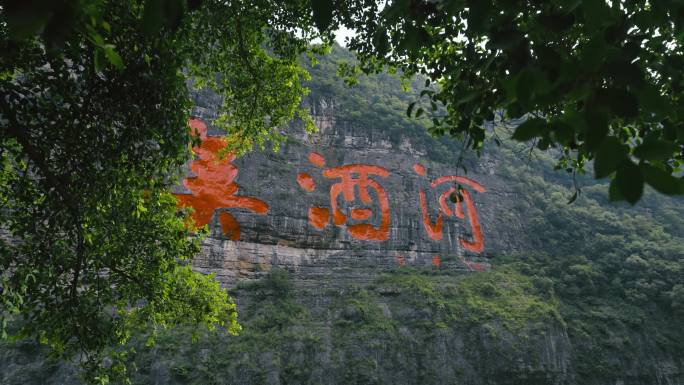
(358, 337)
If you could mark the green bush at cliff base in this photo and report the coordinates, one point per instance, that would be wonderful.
(502, 296)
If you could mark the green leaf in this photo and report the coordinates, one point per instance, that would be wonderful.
(563, 132)
(505, 39)
(413, 39)
(596, 14)
(614, 194)
(655, 149)
(468, 96)
(593, 53)
(113, 57)
(64, 19)
(609, 156)
(530, 129)
(621, 102)
(544, 143)
(410, 109)
(625, 72)
(478, 15)
(322, 13)
(381, 41)
(630, 181)
(532, 84)
(524, 88)
(660, 180)
(596, 127)
(419, 113)
(97, 38)
(396, 10)
(510, 86)
(669, 131)
(98, 60)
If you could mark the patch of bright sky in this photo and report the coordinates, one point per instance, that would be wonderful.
(342, 34)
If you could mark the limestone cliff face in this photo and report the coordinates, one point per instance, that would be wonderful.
(325, 258)
(286, 237)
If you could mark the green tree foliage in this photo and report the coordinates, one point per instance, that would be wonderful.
(597, 79)
(93, 132)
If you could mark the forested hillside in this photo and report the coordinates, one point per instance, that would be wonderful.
(594, 296)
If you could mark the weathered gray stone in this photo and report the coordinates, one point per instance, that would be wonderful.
(285, 238)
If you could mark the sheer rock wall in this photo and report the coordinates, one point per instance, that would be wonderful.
(285, 237)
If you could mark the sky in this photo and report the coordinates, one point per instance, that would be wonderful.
(341, 34)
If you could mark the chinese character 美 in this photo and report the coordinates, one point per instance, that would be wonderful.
(213, 185)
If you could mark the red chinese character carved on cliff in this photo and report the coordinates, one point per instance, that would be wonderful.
(463, 197)
(213, 187)
(350, 178)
